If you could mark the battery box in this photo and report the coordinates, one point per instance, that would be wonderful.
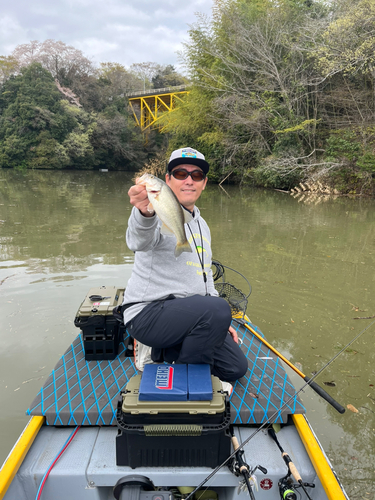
(172, 433)
(101, 331)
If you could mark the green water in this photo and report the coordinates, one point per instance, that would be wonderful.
(310, 263)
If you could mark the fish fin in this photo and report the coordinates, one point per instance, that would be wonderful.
(166, 231)
(187, 216)
(150, 208)
(182, 247)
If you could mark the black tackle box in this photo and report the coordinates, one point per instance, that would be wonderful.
(101, 331)
(172, 433)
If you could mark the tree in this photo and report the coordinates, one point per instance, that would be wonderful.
(8, 67)
(119, 79)
(348, 43)
(39, 129)
(167, 77)
(64, 62)
(250, 62)
(145, 72)
(32, 122)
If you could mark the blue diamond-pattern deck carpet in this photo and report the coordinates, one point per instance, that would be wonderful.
(80, 392)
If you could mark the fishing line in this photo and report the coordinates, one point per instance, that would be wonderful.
(213, 473)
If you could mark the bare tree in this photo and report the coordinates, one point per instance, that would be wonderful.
(61, 60)
(145, 71)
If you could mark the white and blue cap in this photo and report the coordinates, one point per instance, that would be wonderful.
(188, 156)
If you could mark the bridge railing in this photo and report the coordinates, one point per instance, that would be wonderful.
(166, 90)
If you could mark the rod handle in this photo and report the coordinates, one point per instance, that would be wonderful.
(292, 467)
(235, 443)
(322, 393)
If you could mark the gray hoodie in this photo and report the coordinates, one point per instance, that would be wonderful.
(157, 273)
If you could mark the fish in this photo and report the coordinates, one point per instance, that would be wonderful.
(169, 210)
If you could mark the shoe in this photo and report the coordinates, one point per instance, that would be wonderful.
(142, 355)
(226, 387)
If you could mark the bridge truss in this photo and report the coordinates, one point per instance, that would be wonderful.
(149, 106)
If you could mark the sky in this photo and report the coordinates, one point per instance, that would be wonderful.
(122, 31)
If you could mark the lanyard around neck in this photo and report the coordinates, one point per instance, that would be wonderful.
(201, 259)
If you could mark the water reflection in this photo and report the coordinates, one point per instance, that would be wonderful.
(311, 267)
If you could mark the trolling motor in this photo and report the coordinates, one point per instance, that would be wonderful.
(134, 487)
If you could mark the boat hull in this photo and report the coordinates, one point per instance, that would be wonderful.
(88, 470)
(83, 394)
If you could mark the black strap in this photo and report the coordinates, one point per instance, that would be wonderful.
(118, 311)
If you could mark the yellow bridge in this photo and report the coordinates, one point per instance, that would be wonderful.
(148, 106)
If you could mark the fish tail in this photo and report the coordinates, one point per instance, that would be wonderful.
(182, 247)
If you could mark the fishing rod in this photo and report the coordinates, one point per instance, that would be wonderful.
(292, 469)
(239, 466)
(238, 303)
(319, 390)
(244, 443)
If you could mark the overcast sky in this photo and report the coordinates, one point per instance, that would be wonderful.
(123, 31)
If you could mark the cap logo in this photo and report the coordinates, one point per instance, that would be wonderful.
(191, 155)
(164, 377)
(188, 153)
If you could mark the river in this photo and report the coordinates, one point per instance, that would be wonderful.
(310, 262)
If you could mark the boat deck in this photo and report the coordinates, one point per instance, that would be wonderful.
(80, 392)
(89, 467)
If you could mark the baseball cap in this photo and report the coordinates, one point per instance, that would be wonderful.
(188, 156)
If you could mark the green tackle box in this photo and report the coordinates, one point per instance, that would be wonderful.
(172, 433)
(101, 331)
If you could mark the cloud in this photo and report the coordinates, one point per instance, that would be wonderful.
(10, 32)
(120, 31)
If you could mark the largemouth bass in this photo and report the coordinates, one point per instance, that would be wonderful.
(167, 207)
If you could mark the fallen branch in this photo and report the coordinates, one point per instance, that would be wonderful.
(220, 183)
(2, 281)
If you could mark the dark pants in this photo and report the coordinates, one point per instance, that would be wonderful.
(191, 330)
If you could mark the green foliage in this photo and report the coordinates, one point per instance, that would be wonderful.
(39, 129)
(343, 145)
(259, 106)
(167, 77)
(279, 92)
(366, 162)
(349, 42)
(8, 66)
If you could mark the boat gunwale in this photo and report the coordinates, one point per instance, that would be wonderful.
(319, 459)
(16, 456)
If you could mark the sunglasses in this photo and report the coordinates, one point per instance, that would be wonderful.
(180, 174)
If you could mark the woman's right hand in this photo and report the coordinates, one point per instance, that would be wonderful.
(139, 199)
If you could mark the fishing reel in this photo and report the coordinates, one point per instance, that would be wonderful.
(287, 488)
(238, 466)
